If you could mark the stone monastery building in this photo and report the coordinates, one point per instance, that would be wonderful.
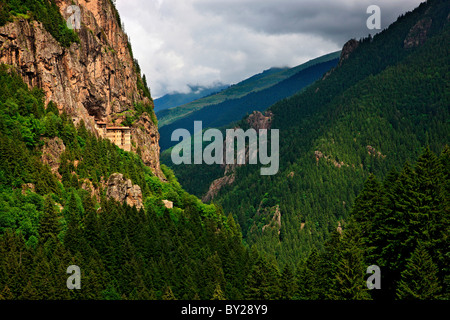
(120, 136)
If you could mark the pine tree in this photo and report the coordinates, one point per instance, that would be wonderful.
(427, 221)
(262, 282)
(73, 239)
(49, 224)
(168, 294)
(370, 213)
(394, 228)
(348, 280)
(212, 275)
(288, 283)
(443, 259)
(218, 293)
(419, 280)
(310, 278)
(6, 294)
(30, 292)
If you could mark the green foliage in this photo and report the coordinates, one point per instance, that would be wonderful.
(382, 232)
(375, 111)
(397, 104)
(231, 110)
(259, 82)
(419, 280)
(45, 11)
(139, 109)
(191, 251)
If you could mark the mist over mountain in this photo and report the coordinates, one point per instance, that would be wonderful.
(255, 93)
(363, 179)
(176, 99)
(354, 147)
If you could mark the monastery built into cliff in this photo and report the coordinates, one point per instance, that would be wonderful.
(120, 136)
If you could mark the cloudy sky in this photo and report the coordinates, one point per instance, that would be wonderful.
(181, 42)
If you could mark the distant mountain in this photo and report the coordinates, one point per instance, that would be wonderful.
(230, 110)
(255, 83)
(383, 107)
(176, 99)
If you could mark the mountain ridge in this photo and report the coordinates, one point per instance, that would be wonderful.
(255, 83)
(358, 119)
(175, 99)
(231, 110)
(94, 78)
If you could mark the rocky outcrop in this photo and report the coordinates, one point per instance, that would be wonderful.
(123, 190)
(89, 187)
(319, 155)
(339, 228)
(145, 136)
(374, 153)
(168, 204)
(276, 220)
(257, 120)
(417, 35)
(348, 48)
(51, 153)
(94, 79)
(28, 186)
(218, 184)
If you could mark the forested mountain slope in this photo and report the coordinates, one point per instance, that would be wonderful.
(258, 82)
(69, 197)
(232, 110)
(379, 108)
(175, 99)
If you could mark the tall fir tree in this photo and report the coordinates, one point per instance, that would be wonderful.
(419, 280)
(49, 224)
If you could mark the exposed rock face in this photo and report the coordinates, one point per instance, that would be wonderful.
(121, 189)
(89, 187)
(276, 220)
(145, 136)
(168, 204)
(28, 186)
(95, 79)
(319, 155)
(348, 48)
(339, 228)
(373, 152)
(51, 152)
(217, 184)
(417, 35)
(257, 120)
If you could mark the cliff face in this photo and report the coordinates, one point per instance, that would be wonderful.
(257, 121)
(92, 80)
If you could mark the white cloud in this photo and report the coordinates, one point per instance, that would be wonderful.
(181, 42)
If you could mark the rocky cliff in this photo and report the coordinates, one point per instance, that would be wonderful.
(123, 190)
(257, 121)
(95, 79)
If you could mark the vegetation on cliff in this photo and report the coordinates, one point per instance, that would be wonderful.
(379, 108)
(45, 11)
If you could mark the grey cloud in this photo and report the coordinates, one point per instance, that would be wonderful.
(333, 20)
(182, 42)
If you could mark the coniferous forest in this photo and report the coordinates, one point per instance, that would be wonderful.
(382, 116)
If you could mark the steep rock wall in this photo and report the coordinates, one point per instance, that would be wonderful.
(93, 79)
